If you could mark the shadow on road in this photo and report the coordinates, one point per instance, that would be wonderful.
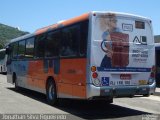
(85, 109)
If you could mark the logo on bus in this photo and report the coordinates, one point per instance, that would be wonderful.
(142, 40)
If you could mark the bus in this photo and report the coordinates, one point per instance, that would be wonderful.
(157, 60)
(95, 56)
(3, 60)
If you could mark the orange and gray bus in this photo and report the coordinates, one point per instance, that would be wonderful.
(98, 55)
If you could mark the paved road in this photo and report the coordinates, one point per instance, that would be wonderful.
(29, 102)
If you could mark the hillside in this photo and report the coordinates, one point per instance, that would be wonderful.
(7, 33)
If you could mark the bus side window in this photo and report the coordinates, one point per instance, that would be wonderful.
(9, 54)
(69, 42)
(2, 55)
(21, 49)
(14, 53)
(40, 46)
(52, 44)
(83, 38)
(29, 48)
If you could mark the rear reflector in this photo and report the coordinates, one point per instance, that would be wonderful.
(125, 76)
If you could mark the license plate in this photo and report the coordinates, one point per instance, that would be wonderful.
(143, 82)
(125, 76)
(122, 82)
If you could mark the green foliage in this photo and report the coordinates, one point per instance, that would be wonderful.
(7, 33)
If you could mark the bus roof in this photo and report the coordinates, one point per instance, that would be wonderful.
(122, 14)
(54, 26)
(63, 23)
(75, 20)
(22, 37)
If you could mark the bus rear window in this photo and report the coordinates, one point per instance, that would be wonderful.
(139, 25)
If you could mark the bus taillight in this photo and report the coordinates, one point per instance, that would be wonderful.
(94, 75)
(152, 75)
(93, 68)
(153, 69)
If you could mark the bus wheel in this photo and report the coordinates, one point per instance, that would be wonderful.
(51, 92)
(15, 82)
(110, 100)
(146, 95)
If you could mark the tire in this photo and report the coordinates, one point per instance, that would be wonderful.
(15, 82)
(4, 73)
(51, 92)
(110, 101)
(1, 70)
(146, 95)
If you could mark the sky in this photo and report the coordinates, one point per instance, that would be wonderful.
(30, 15)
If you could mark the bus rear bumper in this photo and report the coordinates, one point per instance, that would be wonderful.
(119, 91)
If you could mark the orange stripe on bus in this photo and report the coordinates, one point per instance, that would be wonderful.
(64, 23)
(76, 19)
(45, 29)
